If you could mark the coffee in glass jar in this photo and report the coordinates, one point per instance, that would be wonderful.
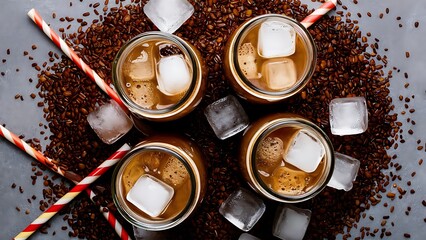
(159, 76)
(160, 182)
(269, 58)
(286, 158)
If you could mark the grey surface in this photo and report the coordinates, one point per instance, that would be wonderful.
(398, 41)
(19, 33)
(23, 117)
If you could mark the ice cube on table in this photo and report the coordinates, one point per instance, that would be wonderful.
(150, 195)
(141, 68)
(227, 117)
(348, 116)
(344, 173)
(269, 154)
(247, 60)
(279, 74)
(243, 209)
(142, 234)
(276, 39)
(290, 222)
(168, 15)
(173, 75)
(109, 122)
(246, 236)
(304, 152)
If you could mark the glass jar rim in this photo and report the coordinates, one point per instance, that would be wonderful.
(329, 156)
(306, 38)
(124, 51)
(152, 224)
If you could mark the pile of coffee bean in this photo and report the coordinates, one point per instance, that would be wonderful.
(347, 65)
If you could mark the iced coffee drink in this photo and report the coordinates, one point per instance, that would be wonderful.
(159, 76)
(159, 183)
(269, 58)
(286, 158)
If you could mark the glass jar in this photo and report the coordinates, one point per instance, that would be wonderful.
(150, 157)
(252, 75)
(281, 181)
(138, 82)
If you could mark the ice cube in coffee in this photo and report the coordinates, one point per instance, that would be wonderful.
(269, 154)
(279, 73)
(304, 152)
(276, 39)
(150, 195)
(156, 185)
(247, 57)
(141, 66)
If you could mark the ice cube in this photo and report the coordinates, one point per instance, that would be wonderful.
(290, 222)
(348, 116)
(142, 234)
(141, 68)
(173, 75)
(276, 39)
(246, 236)
(150, 195)
(109, 122)
(144, 94)
(168, 15)
(247, 60)
(227, 117)
(174, 172)
(289, 182)
(344, 173)
(279, 74)
(304, 152)
(130, 176)
(243, 209)
(269, 154)
(150, 160)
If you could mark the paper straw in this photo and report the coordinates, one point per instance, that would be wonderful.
(122, 233)
(37, 155)
(110, 218)
(35, 16)
(77, 189)
(317, 14)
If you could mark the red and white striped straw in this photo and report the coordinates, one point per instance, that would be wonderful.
(111, 218)
(122, 233)
(317, 14)
(37, 155)
(35, 16)
(77, 189)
